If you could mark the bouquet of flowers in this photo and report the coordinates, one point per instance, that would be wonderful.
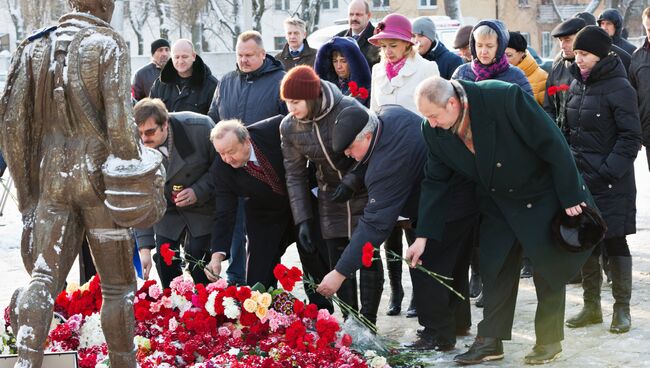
(559, 95)
(214, 325)
(358, 92)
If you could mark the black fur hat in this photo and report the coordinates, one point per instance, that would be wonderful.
(579, 233)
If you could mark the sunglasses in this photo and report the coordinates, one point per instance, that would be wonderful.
(149, 132)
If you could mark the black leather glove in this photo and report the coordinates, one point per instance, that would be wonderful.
(342, 193)
(304, 238)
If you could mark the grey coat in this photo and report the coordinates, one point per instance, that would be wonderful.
(311, 141)
(191, 156)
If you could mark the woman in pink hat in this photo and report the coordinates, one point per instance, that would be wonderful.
(401, 67)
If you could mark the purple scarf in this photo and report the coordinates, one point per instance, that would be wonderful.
(392, 69)
(484, 72)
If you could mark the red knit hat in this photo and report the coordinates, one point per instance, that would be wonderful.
(300, 83)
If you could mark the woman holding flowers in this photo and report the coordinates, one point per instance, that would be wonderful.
(604, 131)
(341, 62)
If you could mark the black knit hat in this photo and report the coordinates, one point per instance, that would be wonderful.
(593, 39)
(349, 123)
(517, 41)
(155, 45)
(569, 27)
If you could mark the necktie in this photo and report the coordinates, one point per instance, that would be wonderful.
(294, 53)
(356, 37)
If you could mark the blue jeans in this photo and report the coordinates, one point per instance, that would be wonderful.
(236, 271)
(3, 165)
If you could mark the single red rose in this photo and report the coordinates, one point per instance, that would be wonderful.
(363, 93)
(167, 254)
(552, 90)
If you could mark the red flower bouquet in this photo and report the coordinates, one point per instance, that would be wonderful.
(559, 96)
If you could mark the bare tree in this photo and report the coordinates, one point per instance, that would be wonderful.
(164, 22)
(258, 8)
(225, 21)
(309, 11)
(592, 6)
(30, 15)
(138, 12)
(452, 9)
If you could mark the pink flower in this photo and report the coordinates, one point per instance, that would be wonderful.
(155, 291)
(236, 334)
(173, 324)
(182, 286)
(224, 331)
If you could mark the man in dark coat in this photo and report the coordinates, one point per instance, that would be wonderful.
(611, 21)
(187, 156)
(145, 76)
(250, 165)
(251, 92)
(639, 71)
(498, 136)
(361, 29)
(391, 146)
(296, 51)
(432, 49)
(185, 84)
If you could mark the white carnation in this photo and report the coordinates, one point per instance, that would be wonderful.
(209, 305)
(231, 309)
(91, 332)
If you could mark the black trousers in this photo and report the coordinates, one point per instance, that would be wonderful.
(196, 248)
(500, 297)
(437, 306)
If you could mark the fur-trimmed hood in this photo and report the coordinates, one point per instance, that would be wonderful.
(359, 69)
(200, 73)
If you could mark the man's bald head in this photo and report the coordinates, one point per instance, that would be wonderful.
(435, 90)
(436, 100)
(183, 57)
(358, 15)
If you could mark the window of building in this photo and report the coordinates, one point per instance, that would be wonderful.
(381, 4)
(427, 4)
(523, 3)
(330, 4)
(282, 4)
(546, 44)
(278, 42)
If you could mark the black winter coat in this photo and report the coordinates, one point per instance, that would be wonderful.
(639, 73)
(249, 97)
(195, 97)
(604, 133)
(306, 57)
(447, 61)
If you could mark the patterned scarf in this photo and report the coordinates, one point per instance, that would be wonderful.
(484, 72)
(264, 172)
(392, 69)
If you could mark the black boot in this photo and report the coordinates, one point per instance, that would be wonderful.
(591, 281)
(412, 312)
(394, 266)
(482, 350)
(371, 286)
(621, 270)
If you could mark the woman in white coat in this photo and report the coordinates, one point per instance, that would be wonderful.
(401, 67)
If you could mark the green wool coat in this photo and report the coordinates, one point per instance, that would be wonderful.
(524, 172)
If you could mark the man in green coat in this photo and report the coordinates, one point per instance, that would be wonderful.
(499, 137)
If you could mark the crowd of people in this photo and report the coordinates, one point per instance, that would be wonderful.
(371, 138)
(384, 134)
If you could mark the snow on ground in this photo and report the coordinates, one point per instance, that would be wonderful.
(588, 347)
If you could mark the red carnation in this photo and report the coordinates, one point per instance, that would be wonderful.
(298, 306)
(243, 293)
(563, 87)
(311, 311)
(367, 254)
(287, 277)
(552, 90)
(167, 254)
(353, 87)
(363, 93)
(346, 340)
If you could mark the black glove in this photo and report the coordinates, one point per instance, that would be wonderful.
(304, 238)
(342, 193)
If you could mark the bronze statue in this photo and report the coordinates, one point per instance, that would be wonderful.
(72, 148)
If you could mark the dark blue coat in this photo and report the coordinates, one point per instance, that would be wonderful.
(395, 168)
(359, 69)
(447, 61)
(512, 75)
(249, 97)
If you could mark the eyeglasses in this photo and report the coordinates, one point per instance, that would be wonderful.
(149, 132)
